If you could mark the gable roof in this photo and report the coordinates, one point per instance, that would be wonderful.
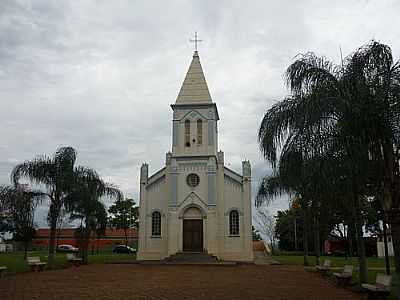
(194, 88)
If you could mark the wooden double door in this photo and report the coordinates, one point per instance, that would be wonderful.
(193, 235)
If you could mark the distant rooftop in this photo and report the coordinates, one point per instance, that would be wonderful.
(43, 233)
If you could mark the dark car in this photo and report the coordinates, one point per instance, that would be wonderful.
(123, 249)
(67, 249)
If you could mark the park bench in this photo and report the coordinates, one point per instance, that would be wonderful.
(381, 288)
(73, 259)
(344, 278)
(325, 267)
(3, 269)
(35, 263)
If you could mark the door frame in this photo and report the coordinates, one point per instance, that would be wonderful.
(201, 248)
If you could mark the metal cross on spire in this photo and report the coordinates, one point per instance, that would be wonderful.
(195, 41)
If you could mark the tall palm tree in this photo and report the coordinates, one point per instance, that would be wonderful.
(367, 109)
(325, 111)
(55, 174)
(379, 76)
(83, 202)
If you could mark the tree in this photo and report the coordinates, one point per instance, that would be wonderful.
(23, 215)
(289, 229)
(355, 109)
(83, 202)
(6, 224)
(124, 215)
(294, 173)
(379, 79)
(55, 174)
(101, 225)
(265, 224)
(21, 205)
(360, 100)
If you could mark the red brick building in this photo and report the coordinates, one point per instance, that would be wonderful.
(66, 236)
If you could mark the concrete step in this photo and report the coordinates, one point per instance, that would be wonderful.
(192, 257)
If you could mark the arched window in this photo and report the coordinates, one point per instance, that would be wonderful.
(156, 223)
(199, 131)
(234, 222)
(187, 133)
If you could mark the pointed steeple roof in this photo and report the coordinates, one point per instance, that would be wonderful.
(194, 88)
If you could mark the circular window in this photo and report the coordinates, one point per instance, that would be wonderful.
(193, 180)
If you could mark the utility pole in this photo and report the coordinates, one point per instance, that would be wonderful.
(385, 242)
(131, 224)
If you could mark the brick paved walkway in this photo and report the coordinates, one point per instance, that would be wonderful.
(172, 282)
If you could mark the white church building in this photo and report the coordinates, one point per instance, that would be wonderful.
(195, 203)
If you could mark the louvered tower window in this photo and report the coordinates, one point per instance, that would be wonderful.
(187, 133)
(199, 132)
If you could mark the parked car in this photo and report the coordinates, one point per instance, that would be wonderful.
(67, 249)
(123, 249)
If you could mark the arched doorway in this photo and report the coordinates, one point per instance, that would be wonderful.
(192, 230)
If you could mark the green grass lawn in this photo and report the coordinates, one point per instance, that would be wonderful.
(15, 262)
(375, 265)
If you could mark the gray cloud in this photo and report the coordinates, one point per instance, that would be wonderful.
(100, 75)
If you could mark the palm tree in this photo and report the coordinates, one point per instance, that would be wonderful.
(379, 77)
(83, 202)
(320, 120)
(368, 114)
(55, 174)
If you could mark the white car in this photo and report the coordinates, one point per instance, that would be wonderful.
(67, 249)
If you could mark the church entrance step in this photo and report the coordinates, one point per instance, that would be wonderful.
(192, 257)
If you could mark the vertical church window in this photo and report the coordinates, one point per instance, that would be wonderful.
(156, 223)
(234, 222)
(187, 133)
(199, 132)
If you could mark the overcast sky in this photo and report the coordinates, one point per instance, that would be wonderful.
(100, 75)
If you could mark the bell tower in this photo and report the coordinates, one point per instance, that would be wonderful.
(195, 203)
(195, 116)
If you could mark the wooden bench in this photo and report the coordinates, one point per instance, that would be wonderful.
(3, 269)
(325, 267)
(35, 263)
(345, 277)
(381, 288)
(73, 259)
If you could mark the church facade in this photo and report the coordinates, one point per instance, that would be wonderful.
(195, 203)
